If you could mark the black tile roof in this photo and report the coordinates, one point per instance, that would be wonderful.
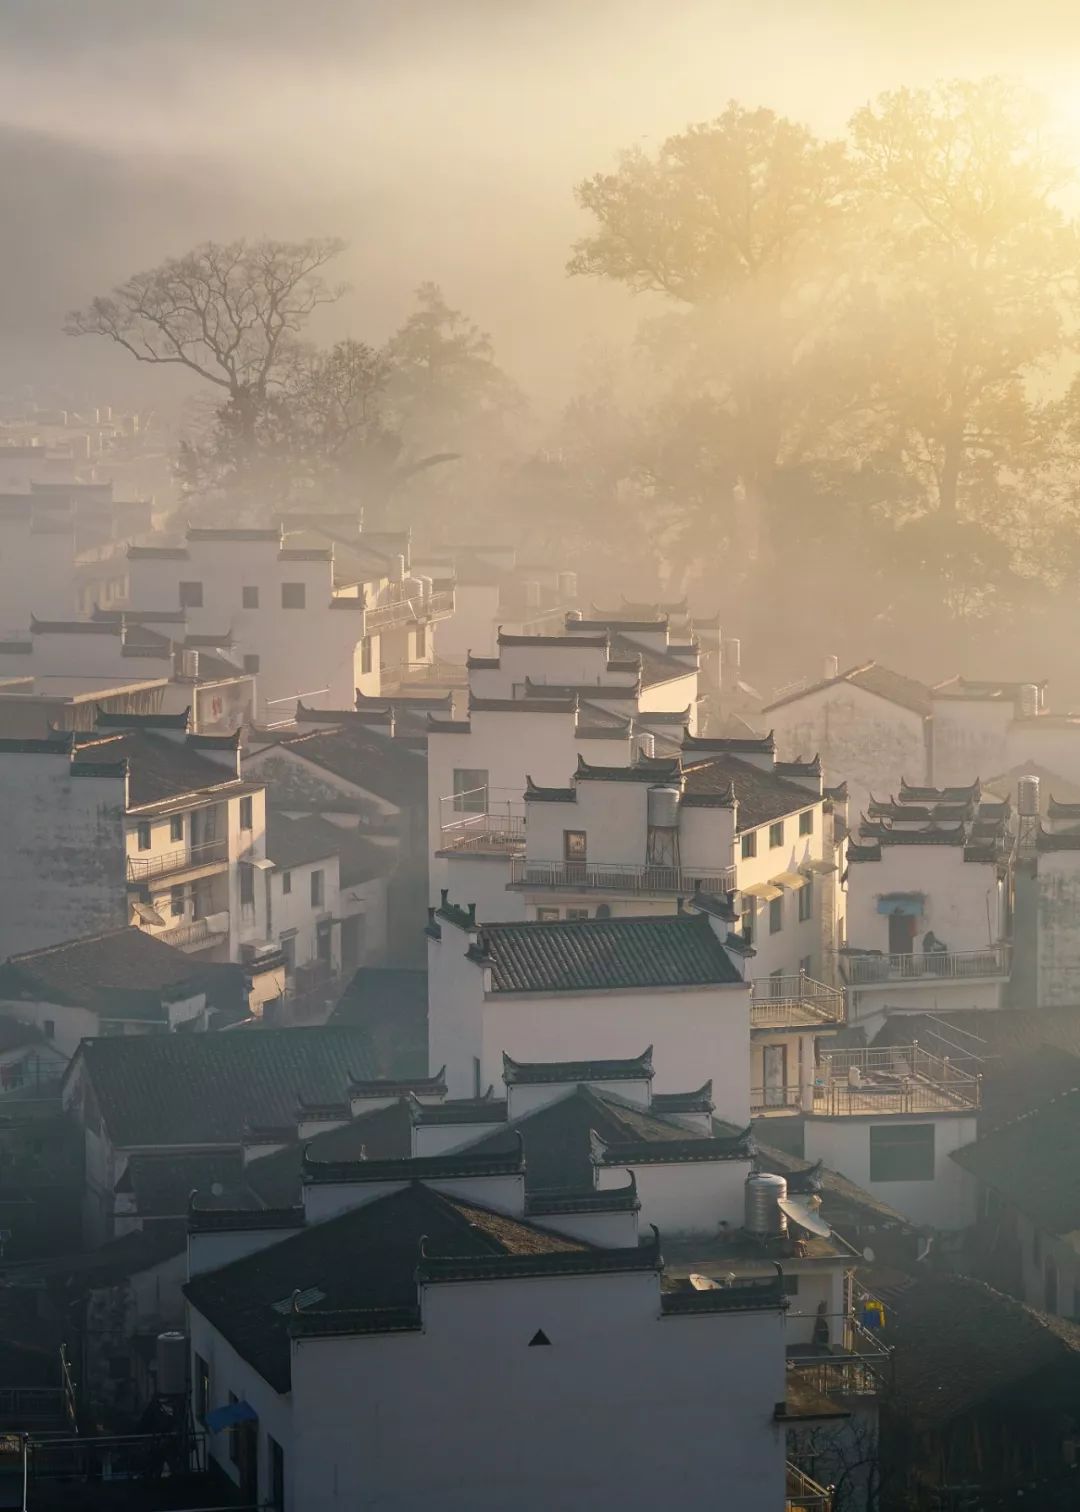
(162, 1184)
(158, 768)
(390, 1005)
(185, 1089)
(298, 842)
(365, 1259)
(607, 1200)
(381, 1134)
(762, 795)
(91, 971)
(470, 1162)
(957, 1344)
(462, 1110)
(360, 756)
(647, 769)
(522, 705)
(545, 1073)
(1034, 1163)
(583, 955)
(559, 1139)
(872, 678)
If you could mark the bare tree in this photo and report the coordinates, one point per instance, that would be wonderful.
(230, 313)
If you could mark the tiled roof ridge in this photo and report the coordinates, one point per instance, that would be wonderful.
(87, 939)
(544, 1073)
(551, 1200)
(413, 1168)
(237, 1220)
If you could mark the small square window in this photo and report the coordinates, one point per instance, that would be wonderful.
(245, 814)
(902, 1152)
(247, 886)
(317, 891)
(470, 790)
(176, 828)
(806, 901)
(250, 598)
(421, 642)
(286, 882)
(144, 834)
(806, 822)
(191, 596)
(293, 596)
(547, 914)
(749, 845)
(776, 915)
(577, 913)
(776, 834)
(575, 843)
(251, 664)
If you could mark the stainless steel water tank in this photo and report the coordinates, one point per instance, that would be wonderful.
(1027, 797)
(664, 807)
(171, 1355)
(763, 1216)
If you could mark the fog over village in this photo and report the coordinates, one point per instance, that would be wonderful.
(539, 763)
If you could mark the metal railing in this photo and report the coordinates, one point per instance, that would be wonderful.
(411, 611)
(183, 858)
(435, 674)
(199, 934)
(23, 1405)
(125, 1456)
(804, 1493)
(923, 966)
(618, 876)
(893, 1079)
(486, 832)
(791, 1001)
(774, 1099)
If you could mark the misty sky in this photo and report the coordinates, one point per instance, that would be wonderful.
(442, 137)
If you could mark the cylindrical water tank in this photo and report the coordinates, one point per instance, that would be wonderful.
(664, 807)
(567, 586)
(574, 617)
(831, 668)
(763, 1216)
(1029, 700)
(1027, 797)
(397, 570)
(171, 1354)
(646, 742)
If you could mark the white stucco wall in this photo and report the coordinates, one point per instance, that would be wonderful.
(685, 1198)
(1057, 882)
(624, 1409)
(863, 740)
(63, 852)
(946, 1202)
(969, 739)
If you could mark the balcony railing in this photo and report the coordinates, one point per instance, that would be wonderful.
(928, 966)
(183, 858)
(781, 1002)
(775, 1099)
(432, 674)
(617, 876)
(199, 934)
(893, 1079)
(412, 611)
(804, 1493)
(485, 832)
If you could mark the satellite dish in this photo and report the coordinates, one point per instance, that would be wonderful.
(702, 1283)
(804, 1215)
(868, 1255)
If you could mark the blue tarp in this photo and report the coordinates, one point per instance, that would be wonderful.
(230, 1415)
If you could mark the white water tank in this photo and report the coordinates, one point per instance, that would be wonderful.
(568, 586)
(574, 617)
(171, 1355)
(1027, 797)
(1029, 700)
(664, 807)
(764, 1191)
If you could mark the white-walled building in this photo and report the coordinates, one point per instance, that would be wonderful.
(136, 822)
(406, 1287)
(492, 593)
(929, 905)
(868, 724)
(587, 990)
(138, 663)
(121, 982)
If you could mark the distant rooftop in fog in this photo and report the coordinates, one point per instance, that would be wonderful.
(871, 677)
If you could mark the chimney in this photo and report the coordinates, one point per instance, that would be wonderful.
(831, 669)
(444, 894)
